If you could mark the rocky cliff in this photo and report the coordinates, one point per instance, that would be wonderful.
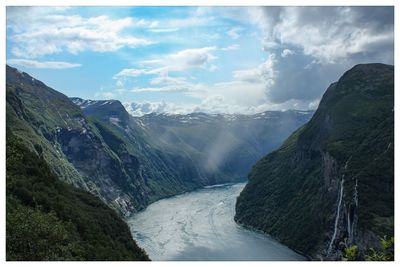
(331, 184)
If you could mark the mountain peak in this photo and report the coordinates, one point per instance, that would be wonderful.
(103, 109)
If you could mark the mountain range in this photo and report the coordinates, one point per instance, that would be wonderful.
(127, 162)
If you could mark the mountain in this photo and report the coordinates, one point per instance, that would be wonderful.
(47, 219)
(131, 162)
(219, 147)
(230, 144)
(330, 186)
(47, 121)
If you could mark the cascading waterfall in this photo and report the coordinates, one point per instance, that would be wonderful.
(339, 206)
(337, 215)
(355, 198)
(350, 224)
(349, 231)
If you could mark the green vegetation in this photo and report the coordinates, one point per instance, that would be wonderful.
(293, 192)
(47, 219)
(351, 254)
(384, 253)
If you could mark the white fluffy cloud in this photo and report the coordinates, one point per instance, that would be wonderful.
(182, 60)
(39, 31)
(246, 93)
(42, 64)
(264, 73)
(287, 52)
(175, 62)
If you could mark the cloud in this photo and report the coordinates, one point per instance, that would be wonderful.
(330, 34)
(42, 64)
(215, 104)
(147, 23)
(189, 58)
(38, 31)
(319, 44)
(139, 109)
(169, 84)
(231, 47)
(164, 79)
(213, 68)
(287, 52)
(129, 73)
(104, 95)
(251, 91)
(234, 32)
(264, 73)
(164, 89)
(175, 62)
(245, 94)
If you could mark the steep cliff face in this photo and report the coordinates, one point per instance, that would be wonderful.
(331, 184)
(50, 124)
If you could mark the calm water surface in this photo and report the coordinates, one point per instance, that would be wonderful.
(199, 226)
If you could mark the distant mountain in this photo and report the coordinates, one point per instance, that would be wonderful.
(230, 144)
(220, 147)
(330, 186)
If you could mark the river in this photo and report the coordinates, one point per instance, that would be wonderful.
(199, 225)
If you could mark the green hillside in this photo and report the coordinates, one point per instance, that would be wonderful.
(47, 219)
(331, 184)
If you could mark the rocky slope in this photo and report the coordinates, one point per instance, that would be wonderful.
(331, 184)
(47, 121)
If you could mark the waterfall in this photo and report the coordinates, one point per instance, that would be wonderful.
(355, 198)
(339, 206)
(349, 226)
(337, 215)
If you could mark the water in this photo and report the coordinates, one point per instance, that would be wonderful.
(199, 226)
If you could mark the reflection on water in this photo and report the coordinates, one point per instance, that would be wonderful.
(199, 226)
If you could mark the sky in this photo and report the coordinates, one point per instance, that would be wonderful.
(197, 59)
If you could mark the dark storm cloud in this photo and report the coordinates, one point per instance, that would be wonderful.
(325, 42)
